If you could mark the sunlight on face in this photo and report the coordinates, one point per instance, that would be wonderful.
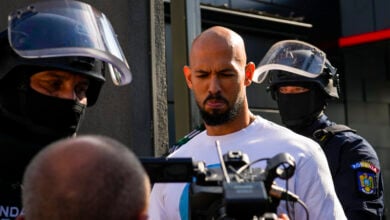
(60, 84)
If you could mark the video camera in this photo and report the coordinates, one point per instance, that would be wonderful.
(233, 191)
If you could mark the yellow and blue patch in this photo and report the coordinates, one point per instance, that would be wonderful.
(366, 174)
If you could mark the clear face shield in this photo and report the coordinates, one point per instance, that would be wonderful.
(293, 56)
(65, 29)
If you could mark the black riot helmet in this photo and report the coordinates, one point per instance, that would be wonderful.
(296, 63)
(93, 69)
(65, 35)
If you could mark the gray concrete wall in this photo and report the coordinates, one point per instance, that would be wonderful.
(362, 16)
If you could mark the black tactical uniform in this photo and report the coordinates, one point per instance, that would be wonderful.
(355, 168)
(18, 146)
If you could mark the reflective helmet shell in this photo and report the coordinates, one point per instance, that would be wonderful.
(292, 62)
(93, 69)
(49, 29)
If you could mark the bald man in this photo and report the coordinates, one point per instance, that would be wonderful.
(218, 75)
(87, 177)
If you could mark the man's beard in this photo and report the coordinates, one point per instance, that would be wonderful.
(218, 117)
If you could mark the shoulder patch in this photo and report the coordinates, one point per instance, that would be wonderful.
(366, 177)
(366, 165)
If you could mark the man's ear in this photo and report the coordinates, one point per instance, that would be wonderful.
(249, 71)
(187, 76)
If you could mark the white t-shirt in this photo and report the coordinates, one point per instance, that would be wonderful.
(312, 180)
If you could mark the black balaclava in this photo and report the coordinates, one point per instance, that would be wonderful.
(29, 121)
(61, 115)
(300, 110)
(40, 114)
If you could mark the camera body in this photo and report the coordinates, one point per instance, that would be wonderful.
(241, 195)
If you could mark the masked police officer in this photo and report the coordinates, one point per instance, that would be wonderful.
(54, 56)
(301, 80)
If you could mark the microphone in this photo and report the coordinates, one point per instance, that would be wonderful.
(280, 193)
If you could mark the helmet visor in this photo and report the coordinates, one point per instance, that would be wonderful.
(67, 28)
(293, 56)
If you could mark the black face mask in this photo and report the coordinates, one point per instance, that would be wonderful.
(300, 110)
(60, 115)
(41, 116)
(29, 121)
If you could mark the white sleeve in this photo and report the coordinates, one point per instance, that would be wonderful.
(156, 210)
(315, 188)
